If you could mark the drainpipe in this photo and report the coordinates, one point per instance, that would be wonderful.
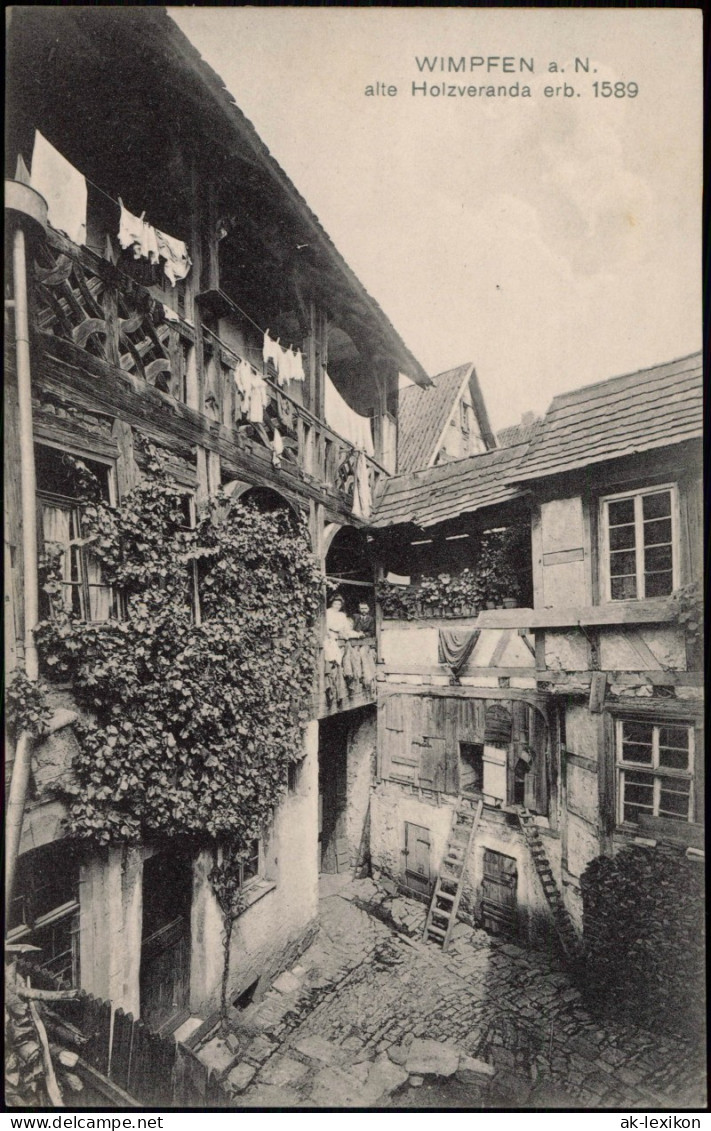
(25, 206)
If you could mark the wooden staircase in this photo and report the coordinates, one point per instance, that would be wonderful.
(442, 914)
(565, 930)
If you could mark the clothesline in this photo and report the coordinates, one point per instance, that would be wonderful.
(232, 303)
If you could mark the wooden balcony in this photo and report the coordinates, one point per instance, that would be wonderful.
(86, 300)
(350, 684)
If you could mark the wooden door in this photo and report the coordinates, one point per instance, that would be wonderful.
(165, 943)
(417, 858)
(498, 892)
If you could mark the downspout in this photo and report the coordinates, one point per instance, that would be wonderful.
(22, 199)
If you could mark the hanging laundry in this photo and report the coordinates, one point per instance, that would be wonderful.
(277, 448)
(362, 503)
(285, 366)
(258, 400)
(62, 186)
(345, 421)
(286, 412)
(136, 233)
(270, 351)
(175, 253)
(298, 367)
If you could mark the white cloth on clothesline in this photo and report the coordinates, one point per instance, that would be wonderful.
(62, 186)
(345, 421)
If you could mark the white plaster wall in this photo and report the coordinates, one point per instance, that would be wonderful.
(582, 793)
(390, 808)
(360, 770)
(621, 651)
(415, 644)
(405, 645)
(566, 651)
(581, 732)
(280, 917)
(583, 845)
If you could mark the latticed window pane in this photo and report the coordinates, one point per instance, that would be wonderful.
(674, 799)
(665, 788)
(637, 742)
(640, 537)
(638, 795)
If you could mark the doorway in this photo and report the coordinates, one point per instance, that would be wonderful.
(471, 767)
(498, 893)
(334, 855)
(165, 938)
(417, 858)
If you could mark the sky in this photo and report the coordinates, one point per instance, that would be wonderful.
(552, 240)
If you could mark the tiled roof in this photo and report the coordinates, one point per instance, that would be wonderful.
(518, 433)
(423, 414)
(436, 494)
(623, 415)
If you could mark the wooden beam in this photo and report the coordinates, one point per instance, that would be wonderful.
(656, 678)
(99, 387)
(654, 610)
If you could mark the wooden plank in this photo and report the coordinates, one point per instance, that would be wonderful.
(653, 610)
(606, 780)
(451, 716)
(411, 691)
(121, 1048)
(598, 687)
(657, 678)
(581, 762)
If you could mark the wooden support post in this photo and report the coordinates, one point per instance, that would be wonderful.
(316, 531)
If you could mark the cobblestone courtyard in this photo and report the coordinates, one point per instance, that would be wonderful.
(372, 1017)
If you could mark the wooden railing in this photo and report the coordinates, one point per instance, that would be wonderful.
(87, 300)
(350, 683)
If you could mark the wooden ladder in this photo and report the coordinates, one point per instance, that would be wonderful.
(442, 914)
(562, 922)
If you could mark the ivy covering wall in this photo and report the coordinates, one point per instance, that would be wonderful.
(193, 706)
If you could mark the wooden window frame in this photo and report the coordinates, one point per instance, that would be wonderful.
(246, 882)
(636, 495)
(27, 931)
(74, 506)
(654, 770)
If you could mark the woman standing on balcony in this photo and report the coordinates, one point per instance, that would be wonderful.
(339, 628)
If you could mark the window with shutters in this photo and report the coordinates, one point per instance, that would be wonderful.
(640, 544)
(655, 770)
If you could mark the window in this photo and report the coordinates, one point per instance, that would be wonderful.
(59, 522)
(250, 867)
(640, 544)
(655, 764)
(44, 912)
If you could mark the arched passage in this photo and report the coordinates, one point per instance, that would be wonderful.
(351, 570)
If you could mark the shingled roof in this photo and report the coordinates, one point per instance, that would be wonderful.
(652, 408)
(437, 494)
(423, 415)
